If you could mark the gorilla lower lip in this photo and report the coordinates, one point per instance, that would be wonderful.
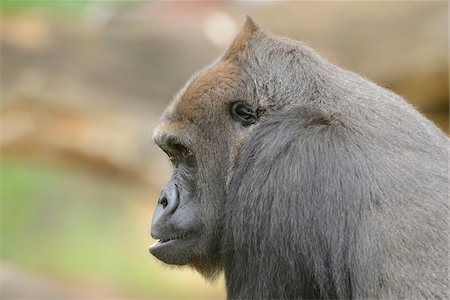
(174, 251)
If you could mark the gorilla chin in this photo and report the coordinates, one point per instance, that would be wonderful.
(174, 251)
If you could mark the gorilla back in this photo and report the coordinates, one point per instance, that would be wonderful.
(302, 180)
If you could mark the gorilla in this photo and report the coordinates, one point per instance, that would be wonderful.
(301, 180)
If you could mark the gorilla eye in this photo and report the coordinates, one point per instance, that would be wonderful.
(243, 113)
(185, 152)
(180, 150)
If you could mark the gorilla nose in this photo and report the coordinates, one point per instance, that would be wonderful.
(167, 205)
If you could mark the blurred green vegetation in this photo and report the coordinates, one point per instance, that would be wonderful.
(17, 6)
(54, 7)
(77, 225)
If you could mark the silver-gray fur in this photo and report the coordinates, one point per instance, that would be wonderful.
(340, 190)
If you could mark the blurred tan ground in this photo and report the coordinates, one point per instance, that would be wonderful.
(87, 89)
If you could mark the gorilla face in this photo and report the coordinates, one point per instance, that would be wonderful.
(200, 132)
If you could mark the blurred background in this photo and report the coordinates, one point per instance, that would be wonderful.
(84, 82)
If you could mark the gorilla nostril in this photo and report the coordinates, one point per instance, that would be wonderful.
(164, 202)
(168, 200)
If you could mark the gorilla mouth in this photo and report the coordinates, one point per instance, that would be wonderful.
(165, 240)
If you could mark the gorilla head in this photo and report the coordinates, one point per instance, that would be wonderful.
(301, 180)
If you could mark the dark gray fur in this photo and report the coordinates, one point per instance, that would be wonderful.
(341, 190)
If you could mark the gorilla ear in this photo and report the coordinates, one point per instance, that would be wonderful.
(241, 40)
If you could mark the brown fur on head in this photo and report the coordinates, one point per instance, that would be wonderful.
(241, 40)
(215, 84)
